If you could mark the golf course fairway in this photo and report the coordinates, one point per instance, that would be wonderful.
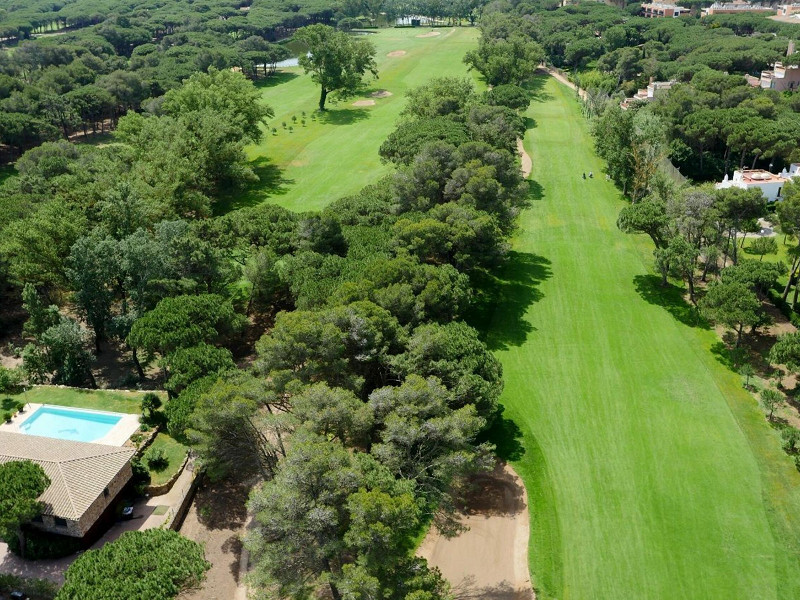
(651, 473)
(335, 154)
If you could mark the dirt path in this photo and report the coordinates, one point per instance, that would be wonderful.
(565, 81)
(490, 560)
(527, 163)
(216, 519)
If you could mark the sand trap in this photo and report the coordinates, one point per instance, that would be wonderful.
(429, 34)
(364, 103)
(396, 53)
(381, 94)
(490, 560)
(527, 163)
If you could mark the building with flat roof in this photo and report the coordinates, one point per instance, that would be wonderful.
(770, 184)
(85, 478)
(648, 94)
(736, 7)
(787, 10)
(781, 78)
(656, 10)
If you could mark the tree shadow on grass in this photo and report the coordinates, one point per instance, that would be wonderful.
(670, 297)
(530, 123)
(535, 190)
(343, 116)
(502, 299)
(271, 182)
(506, 436)
(276, 79)
(535, 87)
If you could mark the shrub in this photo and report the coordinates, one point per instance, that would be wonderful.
(150, 404)
(790, 438)
(156, 459)
(6, 417)
(141, 476)
(10, 380)
(40, 545)
(39, 589)
(156, 564)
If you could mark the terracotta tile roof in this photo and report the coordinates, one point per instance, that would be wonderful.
(78, 471)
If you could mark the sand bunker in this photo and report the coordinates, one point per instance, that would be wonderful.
(490, 559)
(396, 53)
(429, 34)
(527, 163)
(364, 103)
(381, 94)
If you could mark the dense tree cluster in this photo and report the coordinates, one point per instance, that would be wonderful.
(696, 232)
(366, 386)
(363, 407)
(711, 121)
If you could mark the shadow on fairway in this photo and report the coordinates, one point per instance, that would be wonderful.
(536, 87)
(271, 182)
(276, 79)
(535, 190)
(502, 299)
(670, 297)
(506, 436)
(343, 116)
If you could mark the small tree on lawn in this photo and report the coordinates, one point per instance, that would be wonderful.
(771, 400)
(21, 484)
(336, 61)
(732, 304)
(764, 245)
(747, 371)
(150, 404)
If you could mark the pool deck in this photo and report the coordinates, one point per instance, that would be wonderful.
(119, 434)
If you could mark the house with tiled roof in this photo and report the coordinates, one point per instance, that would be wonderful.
(85, 478)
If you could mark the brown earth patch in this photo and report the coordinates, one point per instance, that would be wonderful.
(527, 163)
(489, 561)
(364, 103)
(429, 34)
(396, 53)
(381, 94)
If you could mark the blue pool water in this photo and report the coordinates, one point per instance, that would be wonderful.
(69, 423)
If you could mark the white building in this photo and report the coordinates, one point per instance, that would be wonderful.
(781, 78)
(770, 184)
(648, 94)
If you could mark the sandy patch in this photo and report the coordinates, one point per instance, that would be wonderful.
(490, 560)
(396, 53)
(429, 34)
(527, 163)
(381, 94)
(298, 163)
(364, 103)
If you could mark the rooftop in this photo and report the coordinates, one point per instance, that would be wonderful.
(78, 471)
(754, 176)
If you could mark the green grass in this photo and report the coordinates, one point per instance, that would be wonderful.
(337, 154)
(114, 401)
(175, 453)
(651, 473)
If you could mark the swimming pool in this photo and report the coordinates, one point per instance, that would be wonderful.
(69, 423)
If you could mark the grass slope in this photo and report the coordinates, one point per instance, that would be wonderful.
(651, 473)
(337, 154)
